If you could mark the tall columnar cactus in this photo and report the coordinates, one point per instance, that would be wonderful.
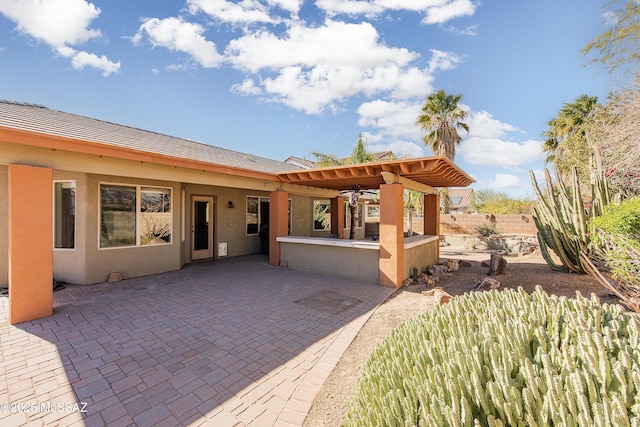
(505, 359)
(562, 220)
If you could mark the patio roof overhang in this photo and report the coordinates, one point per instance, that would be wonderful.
(422, 174)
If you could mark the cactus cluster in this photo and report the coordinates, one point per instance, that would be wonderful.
(562, 220)
(505, 359)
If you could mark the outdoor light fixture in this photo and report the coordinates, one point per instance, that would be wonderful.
(230, 204)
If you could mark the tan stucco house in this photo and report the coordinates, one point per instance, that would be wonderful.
(81, 198)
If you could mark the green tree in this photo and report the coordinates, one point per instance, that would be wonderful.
(619, 46)
(440, 119)
(567, 141)
(493, 202)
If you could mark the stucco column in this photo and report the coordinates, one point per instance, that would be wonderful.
(30, 243)
(432, 217)
(391, 234)
(278, 223)
(337, 217)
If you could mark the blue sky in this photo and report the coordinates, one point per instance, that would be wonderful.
(280, 78)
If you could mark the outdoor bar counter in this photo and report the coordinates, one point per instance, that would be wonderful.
(355, 259)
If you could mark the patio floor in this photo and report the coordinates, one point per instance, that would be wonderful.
(225, 343)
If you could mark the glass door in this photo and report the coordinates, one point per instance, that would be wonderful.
(201, 227)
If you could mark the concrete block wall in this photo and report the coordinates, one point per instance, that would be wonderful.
(505, 223)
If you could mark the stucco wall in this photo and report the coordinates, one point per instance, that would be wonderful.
(70, 264)
(354, 263)
(4, 227)
(420, 257)
(130, 261)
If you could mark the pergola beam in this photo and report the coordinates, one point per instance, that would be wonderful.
(409, 184)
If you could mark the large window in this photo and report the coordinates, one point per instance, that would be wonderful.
(134, 215)
(64, 215)
(155, 216)
(257, 215)
(321, 215)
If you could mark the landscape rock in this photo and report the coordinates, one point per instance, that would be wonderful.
(427, 280)
(440, 271)
(487, 285)
(440, 296)
(114, 277)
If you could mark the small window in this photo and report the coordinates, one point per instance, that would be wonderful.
(64, 215)
(252, 215)
(373, 211)
(321, 215)
(117, 216)
(359, 216)
(455, 201)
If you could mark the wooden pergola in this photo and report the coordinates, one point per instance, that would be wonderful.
(391, 178)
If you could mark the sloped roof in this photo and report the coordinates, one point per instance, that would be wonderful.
(310, 164)
(36, 125)
(465, 194)
(40, 119)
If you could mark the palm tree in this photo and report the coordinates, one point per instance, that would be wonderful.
(441, 118)
(567, 142)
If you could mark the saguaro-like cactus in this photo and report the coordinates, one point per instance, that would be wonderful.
(562, 219)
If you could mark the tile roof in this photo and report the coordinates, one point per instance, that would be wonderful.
(40, 119)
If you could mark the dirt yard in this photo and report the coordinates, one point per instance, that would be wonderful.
(330, 405)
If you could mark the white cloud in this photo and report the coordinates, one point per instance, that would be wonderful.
(304, 70)
(81, 60)
(56, 22)
(245, 11)
(443, 60)
(496, 152)
(505, 180)
(436, 11)
(483, 125)
(179, 36)
(313, 46)
(60, 24)
(247, 87)
(394, 118)
(448, 11)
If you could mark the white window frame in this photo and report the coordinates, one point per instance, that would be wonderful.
(138, 188)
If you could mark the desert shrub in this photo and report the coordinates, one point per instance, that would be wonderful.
(505, 359)
(487, 229)
(617, 233)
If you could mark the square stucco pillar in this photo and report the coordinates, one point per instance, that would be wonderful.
(337, 217)
(391, 234)
(30, 243)
(432, 217)
(278, 223)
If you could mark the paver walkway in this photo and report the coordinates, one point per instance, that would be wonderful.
(225, 343)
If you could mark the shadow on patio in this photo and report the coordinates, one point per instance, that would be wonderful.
(233, 342)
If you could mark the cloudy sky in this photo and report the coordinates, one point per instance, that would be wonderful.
(280, 78)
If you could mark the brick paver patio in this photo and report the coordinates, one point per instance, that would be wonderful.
(233, 342)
